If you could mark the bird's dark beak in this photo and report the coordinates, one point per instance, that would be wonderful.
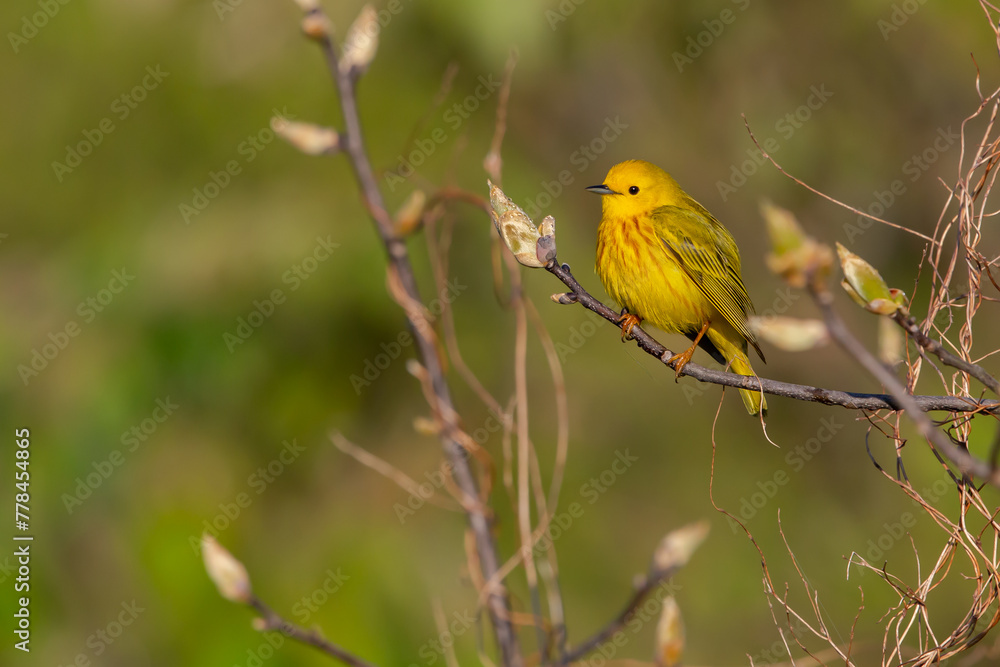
(601, 190)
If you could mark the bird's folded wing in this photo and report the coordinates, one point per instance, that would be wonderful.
(707, 252)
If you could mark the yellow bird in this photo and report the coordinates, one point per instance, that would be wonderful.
(667, 260)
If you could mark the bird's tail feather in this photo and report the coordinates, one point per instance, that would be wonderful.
(753, 400)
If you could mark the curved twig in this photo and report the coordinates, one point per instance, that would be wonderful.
(480, 521)
(910, 326)
(272, 621)
(938, 439)
(641, 592)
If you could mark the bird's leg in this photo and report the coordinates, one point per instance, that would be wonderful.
(627, 321)
(682, 358)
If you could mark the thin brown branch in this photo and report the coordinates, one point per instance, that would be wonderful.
(441, 622)
(547, 566)
(936, 348)
(812, 595)
(825, 196)
(523, 455)
(389, 471)
(439, 249)
(270, 620)
(562, 405)
(493, 162)
(639, 594)
(967, 463)
(480, 522)
(447, 79)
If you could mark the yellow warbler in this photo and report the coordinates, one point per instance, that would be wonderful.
(665, 259)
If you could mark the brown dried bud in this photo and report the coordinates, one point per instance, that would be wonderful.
(317, 26)
(565, 298)
(669, 634)
(228, 574)
(309, 138)
(361, 42)
(795, 256)
(790, 333)
(410, 213)
(518, 231)
(676, 548)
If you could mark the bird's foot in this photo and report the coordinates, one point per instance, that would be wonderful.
(627, 321)
(681, 359)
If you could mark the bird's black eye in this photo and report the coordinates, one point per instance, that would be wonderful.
(634, 190)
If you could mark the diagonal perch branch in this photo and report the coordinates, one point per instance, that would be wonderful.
(850, 400)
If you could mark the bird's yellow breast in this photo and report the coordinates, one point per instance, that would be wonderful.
(641, 274)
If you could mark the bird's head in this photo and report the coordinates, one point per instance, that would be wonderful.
(635, 187)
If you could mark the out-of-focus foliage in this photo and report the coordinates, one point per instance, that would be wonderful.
(203, 304)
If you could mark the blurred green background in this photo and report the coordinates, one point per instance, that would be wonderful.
(849, 103)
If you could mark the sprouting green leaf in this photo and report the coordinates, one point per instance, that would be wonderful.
(865, 285)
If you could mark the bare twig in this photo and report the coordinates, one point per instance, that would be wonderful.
(663, 567)
(270, 620)
(967, 463)
(813, 190)
(493, 162)
(935, 347)
(447, 79)
(524, 455)
(480, 522)
(389, 471)
(671, 554)
(441, 621)
(639, 594)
